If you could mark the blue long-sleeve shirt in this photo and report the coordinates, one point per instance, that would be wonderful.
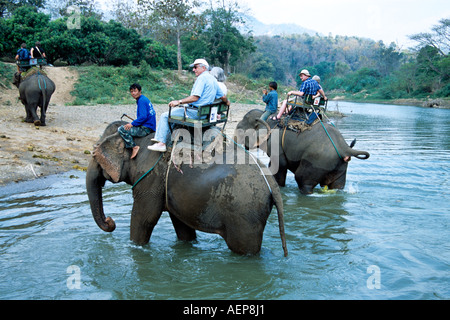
(271, 100)
(146, 115)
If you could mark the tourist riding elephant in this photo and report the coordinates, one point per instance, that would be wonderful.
(35, 91)
(316, 156)
(232, 200)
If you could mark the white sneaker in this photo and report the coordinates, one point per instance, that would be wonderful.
(155, 147)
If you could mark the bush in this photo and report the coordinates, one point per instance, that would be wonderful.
(6, 74)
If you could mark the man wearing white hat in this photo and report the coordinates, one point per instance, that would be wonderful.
(204, 92)
(309, 86)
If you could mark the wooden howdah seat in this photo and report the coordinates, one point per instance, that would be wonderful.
(24, 65)
(306, 108)
(306, 102)
(208, 116)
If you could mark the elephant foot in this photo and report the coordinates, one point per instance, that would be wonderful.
(306, 189)
(37, 123)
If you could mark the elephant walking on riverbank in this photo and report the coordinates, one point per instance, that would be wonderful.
(232, 200)
(35, 91)
(319, 155)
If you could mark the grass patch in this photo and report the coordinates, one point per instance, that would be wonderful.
(110, 85)
(6, 75)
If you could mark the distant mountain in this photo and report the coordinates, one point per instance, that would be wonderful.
(261, 29)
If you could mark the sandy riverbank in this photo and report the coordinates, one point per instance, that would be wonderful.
(28, 152)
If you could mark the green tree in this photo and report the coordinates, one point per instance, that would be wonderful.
(225, 43)
(433, 72)
(261, 67)
(25, 25)
(7, 7)
(171, 17)
(438, 38)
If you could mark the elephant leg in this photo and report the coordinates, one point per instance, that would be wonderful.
(43, 116)
(29, 115)
(184, 232)
(142, 225)
(280, 175)
(338, 180)
(243, 238)
(32, 109)
(307, 177)
(306, 187)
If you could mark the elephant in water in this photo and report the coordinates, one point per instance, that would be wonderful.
(232, 200)
(35, 91)
(316, 156)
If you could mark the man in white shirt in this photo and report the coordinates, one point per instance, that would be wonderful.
(205, 90)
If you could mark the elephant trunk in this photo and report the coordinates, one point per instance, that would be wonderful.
(94, 184)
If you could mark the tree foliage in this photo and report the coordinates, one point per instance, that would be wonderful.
(7, 7)
(95, 41)
(224, 42)
(171, 33)
(171, 18)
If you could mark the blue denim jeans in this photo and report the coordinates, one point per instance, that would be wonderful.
(266, 114)
(127, 135)
(163, 129)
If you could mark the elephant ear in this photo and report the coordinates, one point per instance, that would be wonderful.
(262, 125)
(16, 79)
(109, 154)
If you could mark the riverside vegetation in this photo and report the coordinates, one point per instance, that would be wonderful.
(351, 68)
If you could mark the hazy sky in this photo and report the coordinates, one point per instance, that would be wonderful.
(387, 20)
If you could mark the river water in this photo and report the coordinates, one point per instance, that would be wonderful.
(386, 236)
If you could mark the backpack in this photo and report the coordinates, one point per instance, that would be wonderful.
(23, 54)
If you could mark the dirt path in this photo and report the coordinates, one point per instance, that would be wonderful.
(28, 152)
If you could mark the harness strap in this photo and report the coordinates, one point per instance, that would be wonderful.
(39, 81)
(326, 131)
(140, 179)
(253, 157)
(282, 138)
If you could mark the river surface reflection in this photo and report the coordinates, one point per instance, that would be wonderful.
(384, 237)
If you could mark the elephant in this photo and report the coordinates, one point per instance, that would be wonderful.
(35, 91)
(316, 156)
(232, 200)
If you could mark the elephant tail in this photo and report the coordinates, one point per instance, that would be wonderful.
(43, 88)
(276, 195)
(363, 155)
